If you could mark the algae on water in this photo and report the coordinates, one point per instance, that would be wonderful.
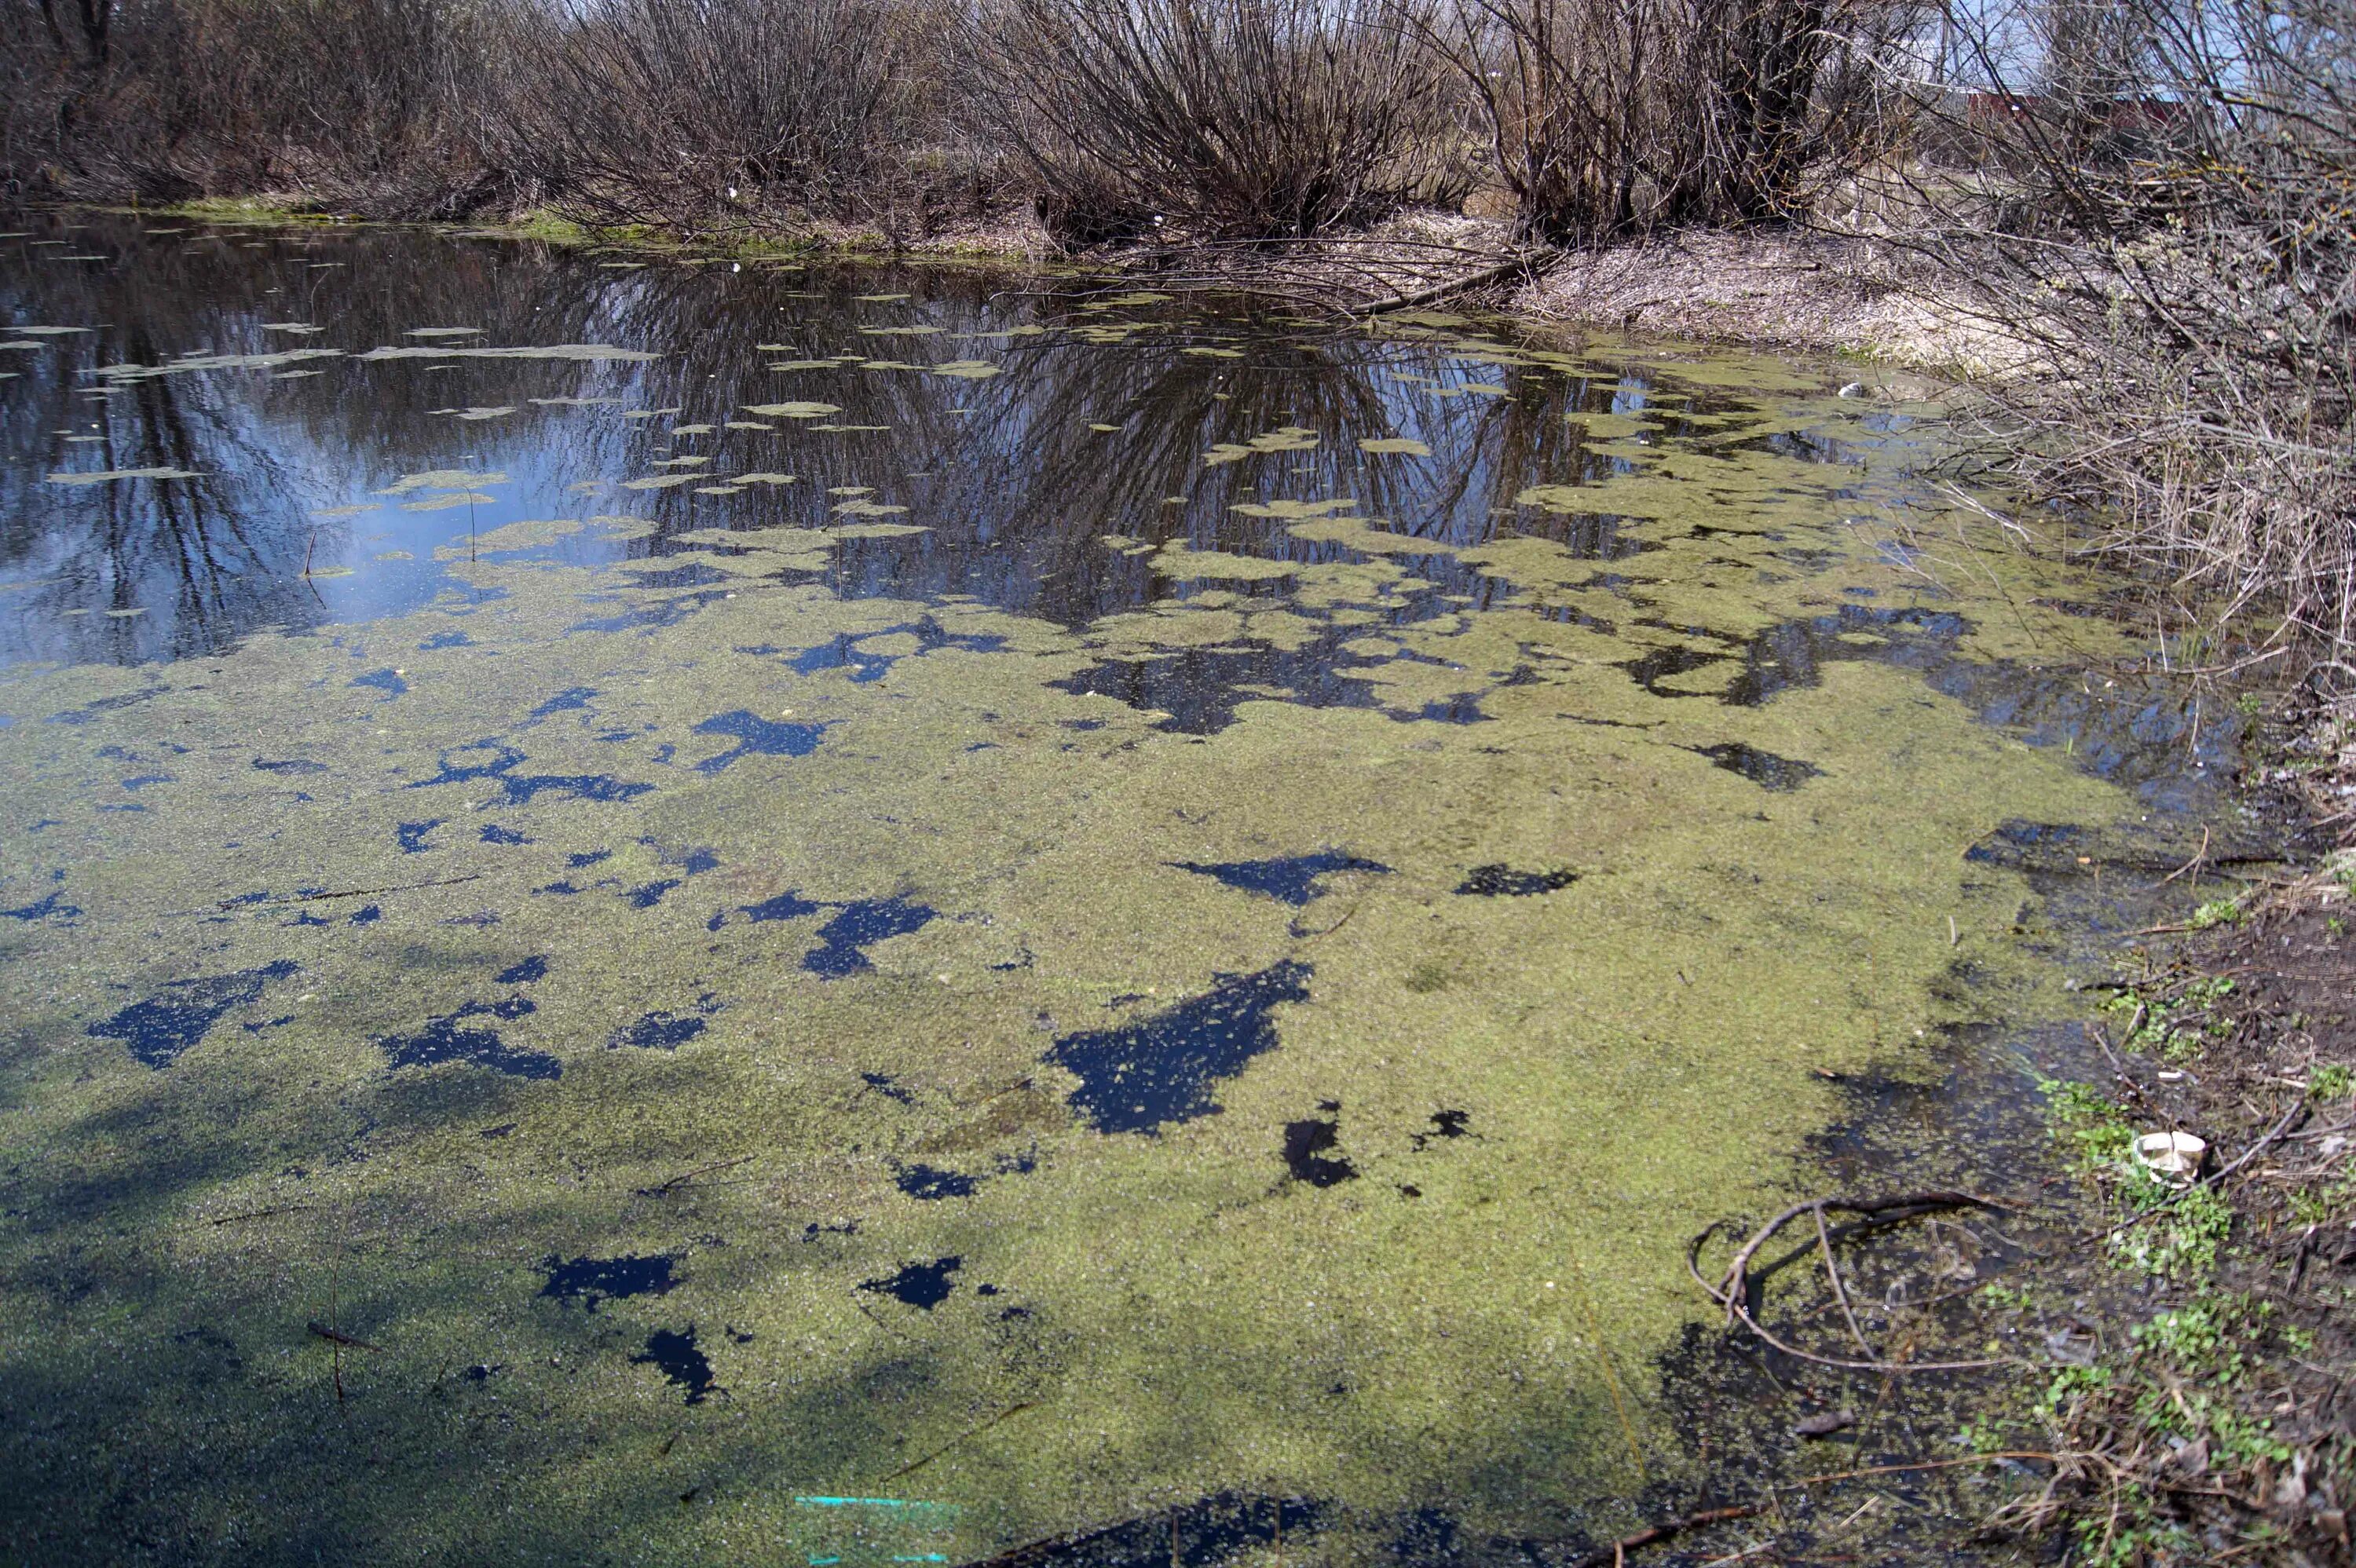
(713, 1030)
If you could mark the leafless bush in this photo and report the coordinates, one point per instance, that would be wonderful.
(172, 98)
(1219, 119)
(1609, 118)
(2173, 241)
(87, 102)
(679, 110)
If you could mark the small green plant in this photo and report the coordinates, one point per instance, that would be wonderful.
(2130, 1535)
(2070, 1385)
(2200, 1338)
(2180, 1237)
(2317, 1203)
(2099, 1129)
(2207, 993)
(2342, 869)
(2251, 705)
(1981, 1435)
(2188, 1412)
(2215, 912)
(2331, 1080)
(2162, 1028)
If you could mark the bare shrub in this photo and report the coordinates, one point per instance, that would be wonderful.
(2171, 237)
(174, 97)
(86, 102)
(1222, 118)
(1611, 117)
(681, 110)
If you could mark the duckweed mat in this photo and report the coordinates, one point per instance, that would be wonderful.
(635, 934)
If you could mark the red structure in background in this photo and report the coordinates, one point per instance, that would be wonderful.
(1985, 111)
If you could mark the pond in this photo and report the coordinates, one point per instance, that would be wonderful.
(696, 911)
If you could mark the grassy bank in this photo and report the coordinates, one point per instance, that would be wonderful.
(1012, 242)
(1754, 287)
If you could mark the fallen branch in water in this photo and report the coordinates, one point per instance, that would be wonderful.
(1443, 289)
(1618, 1548)
(336, 1336)
(1733, 1292)
(349, 893)
(260, 1213)
(1605, 1556)
(684, 1178)
(915, 1465)
(2012, 1453)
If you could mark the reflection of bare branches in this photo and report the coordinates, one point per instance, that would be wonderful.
(1354, 274)
(1010, 475)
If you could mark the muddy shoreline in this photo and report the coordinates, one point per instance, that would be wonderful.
(2178, 1388)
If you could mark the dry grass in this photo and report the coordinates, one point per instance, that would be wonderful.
(1789, 289)
(2182, 267)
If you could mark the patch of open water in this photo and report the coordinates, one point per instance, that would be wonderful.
(1108, 927)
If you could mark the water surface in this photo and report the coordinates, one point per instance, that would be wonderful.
(864, 914)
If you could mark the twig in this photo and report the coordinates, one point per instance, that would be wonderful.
(336, 1336)
(685, 1177)
(2323, 1132)
(1840, 1292)
(1603, 1555)
(1441, 291)
(1928, 1465)
(1733, 1293)
(349, 893)
(1313, 935)
(260, 1213)
(1618, 1549)
(2102, 1038)
(877, 1321)
(2298, 1107)
(2196, 859)
(916, 1464)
